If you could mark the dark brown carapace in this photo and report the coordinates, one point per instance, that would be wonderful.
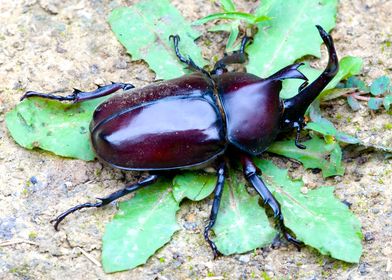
(197, 120)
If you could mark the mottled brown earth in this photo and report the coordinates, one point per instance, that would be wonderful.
(50, 44)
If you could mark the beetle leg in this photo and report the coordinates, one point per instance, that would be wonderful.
(106, 200)
(78, 96)
(215, 208)
(236, 57)
(299, 126)
(191, 64)
(250, 170)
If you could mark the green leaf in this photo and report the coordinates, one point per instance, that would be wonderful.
(53, 126)
(233, 36)
(290, 34)
(325, 127)
(144, 30)
(227, 27)
(317, 218)
(353, 103)
(379, 85)
(318, 154)
(348, 66)
(252, 19)
(374, 103)
(228, 5)
(322, 126)
(354, 82)
(242, 224)
(194, 186)
(141, 226)
(233, 29)
(387, 102)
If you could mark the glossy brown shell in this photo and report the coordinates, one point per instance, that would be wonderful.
(152, 129)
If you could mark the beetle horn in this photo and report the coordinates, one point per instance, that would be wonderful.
(289, 72)
(296, 106)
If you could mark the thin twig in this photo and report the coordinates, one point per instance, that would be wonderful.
(17, 241)
(90, 257)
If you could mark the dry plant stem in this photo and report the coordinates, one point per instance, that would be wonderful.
(357, 95)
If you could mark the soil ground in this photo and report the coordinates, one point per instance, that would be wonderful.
(52, 44)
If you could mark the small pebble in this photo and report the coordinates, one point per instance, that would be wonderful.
(244, 258)
(369, 236)
(190, 225)
(347, 203)
(363, 268)
(120, 64)
(304, 190)
(33, 180)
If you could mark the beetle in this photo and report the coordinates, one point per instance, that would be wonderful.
(197, 120)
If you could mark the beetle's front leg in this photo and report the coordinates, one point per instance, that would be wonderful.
(106, 200)
(191, 64)
(250, 172)
(78, 96)
(215, 207)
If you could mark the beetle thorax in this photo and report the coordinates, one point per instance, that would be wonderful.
(252, 108)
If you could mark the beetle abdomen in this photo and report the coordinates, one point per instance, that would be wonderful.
(172, 133)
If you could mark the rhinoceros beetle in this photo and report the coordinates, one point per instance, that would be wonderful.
(198, 120)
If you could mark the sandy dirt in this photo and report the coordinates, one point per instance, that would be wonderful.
(49, 44)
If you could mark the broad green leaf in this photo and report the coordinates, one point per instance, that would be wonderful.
(141, 226)
(318, 154)
(374, 103)
(317, 218)
(290, 34)
(348, 66)
(242, 224)
(228, 5)
(194, 186)
(144, 30)
(53, 126)
(387, 102)
(233, 16)
(380, 85)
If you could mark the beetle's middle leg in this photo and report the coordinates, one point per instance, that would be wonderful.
(78, 95)
(215, 207)
(234, 58)
(250, 172)
(106, 200)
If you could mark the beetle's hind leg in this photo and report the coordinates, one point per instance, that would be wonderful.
(188, 61)
(215, 207)
(106, 200)
(234, 58)
(250, 171)
(78, 95)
